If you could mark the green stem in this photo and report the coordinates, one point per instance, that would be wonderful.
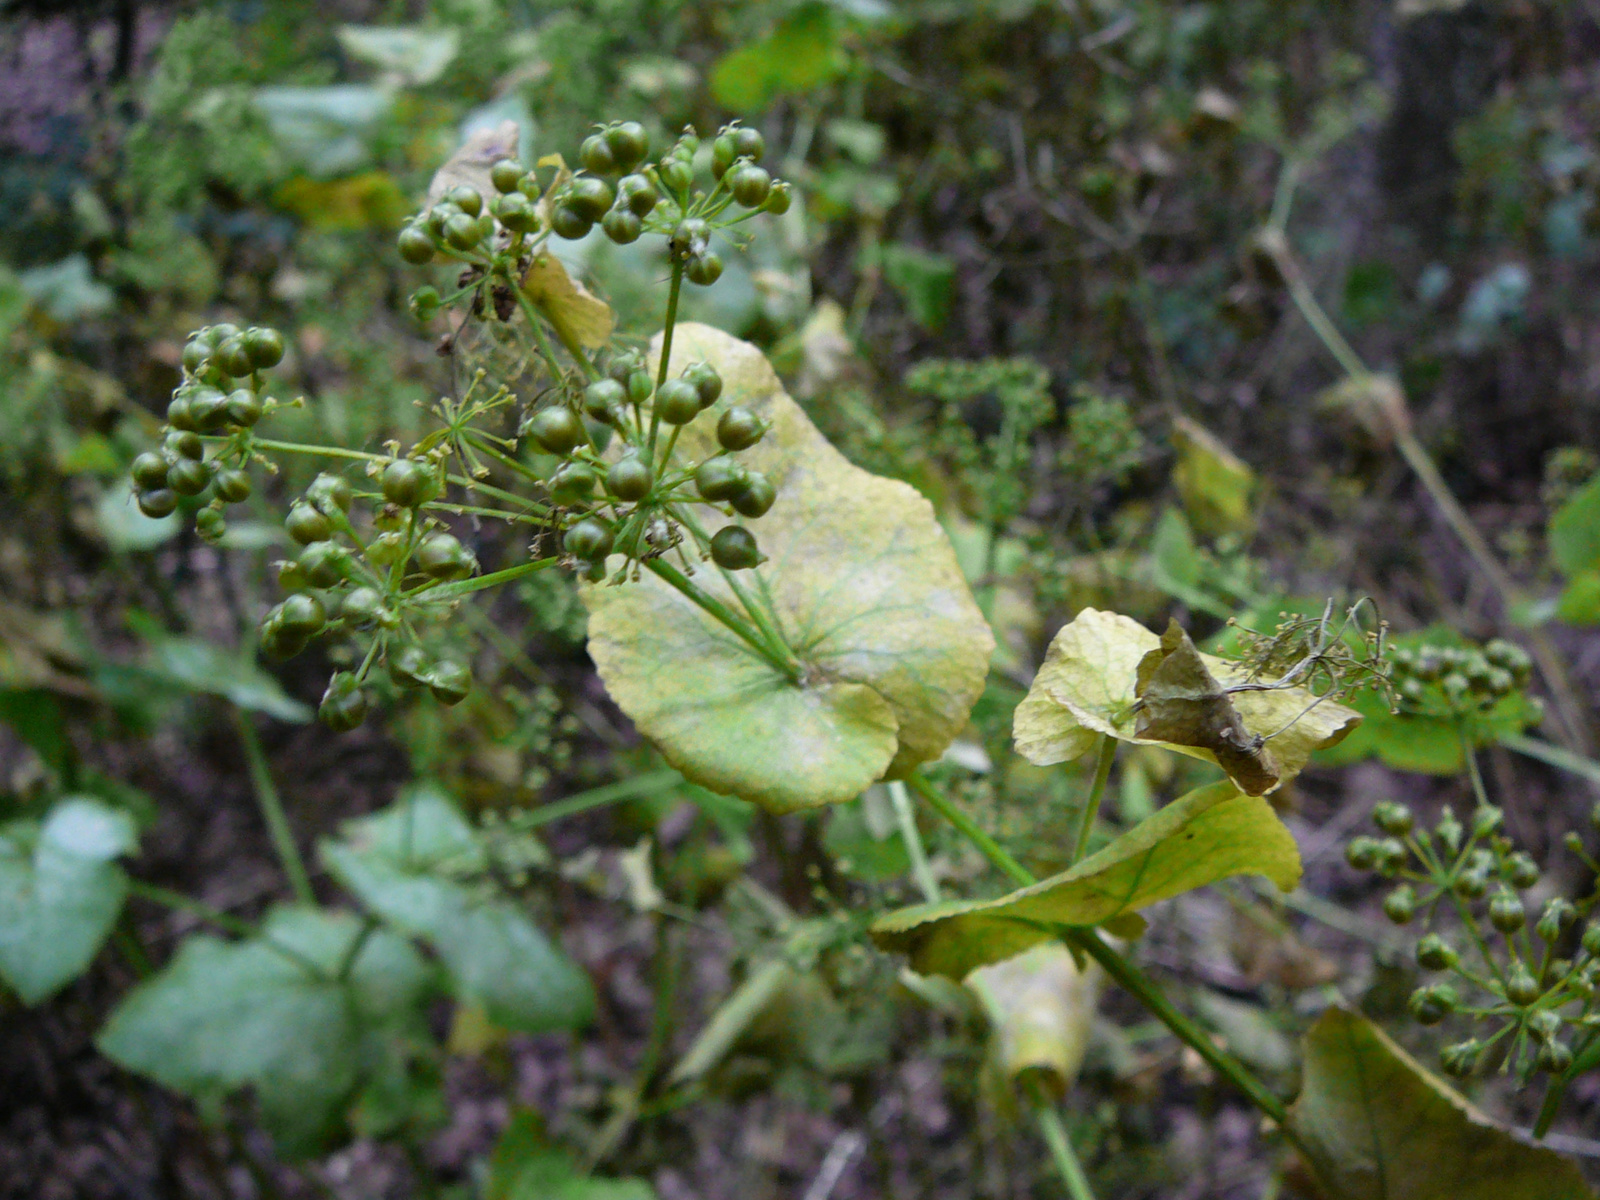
(1097, 790)
(1119, 968)
(921, 872)
(465, 587)
(790, 666)
(1055, 1137)
(666, 349)
(1555, 756)
(294, 866)
(626, 789)
(369, 926)
(240, 928)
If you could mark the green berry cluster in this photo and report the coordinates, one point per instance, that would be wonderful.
(634, 503)
(617, 189)
(1457, 681)
(1531, 975)
(215, 406)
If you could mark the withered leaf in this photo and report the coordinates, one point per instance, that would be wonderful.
(1181, 702)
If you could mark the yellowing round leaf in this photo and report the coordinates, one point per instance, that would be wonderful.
(869, 598)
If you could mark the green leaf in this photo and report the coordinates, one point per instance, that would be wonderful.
(1090, 685)
(124, 528)
(420, 866)
(1379, 1127)
(60, 892)
(868, 593)
(1216, 486)
(270, 1014)
(34, 715)
(524, 1166)
(196, 665)
(1575, 531)
(801, 53)
(1580, 600)
(1211, 833)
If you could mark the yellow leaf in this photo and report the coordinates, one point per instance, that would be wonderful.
(1217, 487)
(577, 313)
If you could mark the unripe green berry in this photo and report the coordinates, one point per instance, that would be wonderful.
(462, 231)
(1431, 1004)
(677, 402)
(210, 524)
(722, 154)
(306, 525)
(233, 357)
(330, 493)
(751, 186)
(443, 557)
(407, 483)
(517, 213)
(588, 539)
(704, 268)
(1555, 1057)
(757, 497)
(244, 407)
(1394, 819)
(1436, 954)
(677, 175)
(410, 667)
(628, 143)
(748, 143)
(596, 156)
(622, 226)
(1544, 1024)
(186, 445)
(468, 199)
(188, 476)
(1521, 870)
(640, 386)
(572, 484)
(638, 194)
(322, 564)
(1461, 1058)
(603, 399)
(556, 428)
(450, 682)
(265, 347)
(733, 548)
(1591, 941)
(1506, 912)
(719, 479)
(1486, 819)
(589, 197)
(739, 429)
(1391, 856)
(1471, 885)
(779, 199)
(344, 704)
(362, 607)
(178, 415)
(1554, 919)
(630, 479)
(506, 175)
(208, 408)
(1400, 905)
(1521, 986)
(1362, 853)
(150, 470)
(706, 381)
(300, 616)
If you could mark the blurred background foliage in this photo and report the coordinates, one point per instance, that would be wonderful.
(1027, 276)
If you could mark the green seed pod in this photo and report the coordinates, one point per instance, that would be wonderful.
(529, 186)
(233, 486)
(757, 497)
(572, 484)
(1400, 905)
(751, 186)
(1555, 1057)
(1362, 853)
(733, 548)
(1555, 917)
(638, 195)
(467, 199)
(779, 198)
(739, 429)
(628, 142)
(344, 704)
(706, 381)
(407, 483)
(1544, 1024)
(322, 564)
(596, 155)
(300, 615)
(210, 524)
(1521, 870)
(450, 682)
(188, 476)
(185, 445)
(1461, 1059)
(233, 358)
(265, 347)
(362, 607)
(1521, 987)
(719, 479)
(748, 143)
(1431, 1004)
(517, 213)
(277, 644)
(622, 226)
(208, 408)
(1591, 941)
(178, 415)
(462, 232)
(589, 197)
(435, 219)
(722, 154)
(157, 502)
(306, 525)
(1486, 819)
(1391, 857)
(195, 353)
(1471, 885)
(330, 493)
(603, 400)
(1436, 954)
(677, 402)
(704, 268)
(1449, 830)
(589, 539)
(443, 557)
(630, 479)
(149, 470)
(1506, 912)
(244, 407)
(640, 386)
(556, 428)
(1455, 688)
(506, 175)
(410, 667)
(1394, 819)
(676, 175)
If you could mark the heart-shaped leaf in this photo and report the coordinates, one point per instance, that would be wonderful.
(272, 1013)
(1090, 685)
(1379, 1127)
(1212, 833)
(60, 893)
(420, 866)
(868, 595)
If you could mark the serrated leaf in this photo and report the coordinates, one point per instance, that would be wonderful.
(60, 893)
(1216, 486)
(1211, 833)
(1379, 1127)
(270, 1014)
(419, 866)
(869, 596)
(1041, 1006)
(1089, 685)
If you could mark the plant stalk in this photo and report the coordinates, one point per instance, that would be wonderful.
(1055, 1137)
(1097, 791)
(790, 666)
(667, 327)
(294, 867)
(921, 872)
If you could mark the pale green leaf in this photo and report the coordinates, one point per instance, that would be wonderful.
(196, 665)
(271, 1014)
(1040, 1006)
(60, 892)
(869, 597)
(1379, 1127)
(1088, 686)
(798, 55)
(524, 1166)
(1575, 531)
(419, 866)
(1212, 833)
(1216, 486)
(124, 528)
(406, 54)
